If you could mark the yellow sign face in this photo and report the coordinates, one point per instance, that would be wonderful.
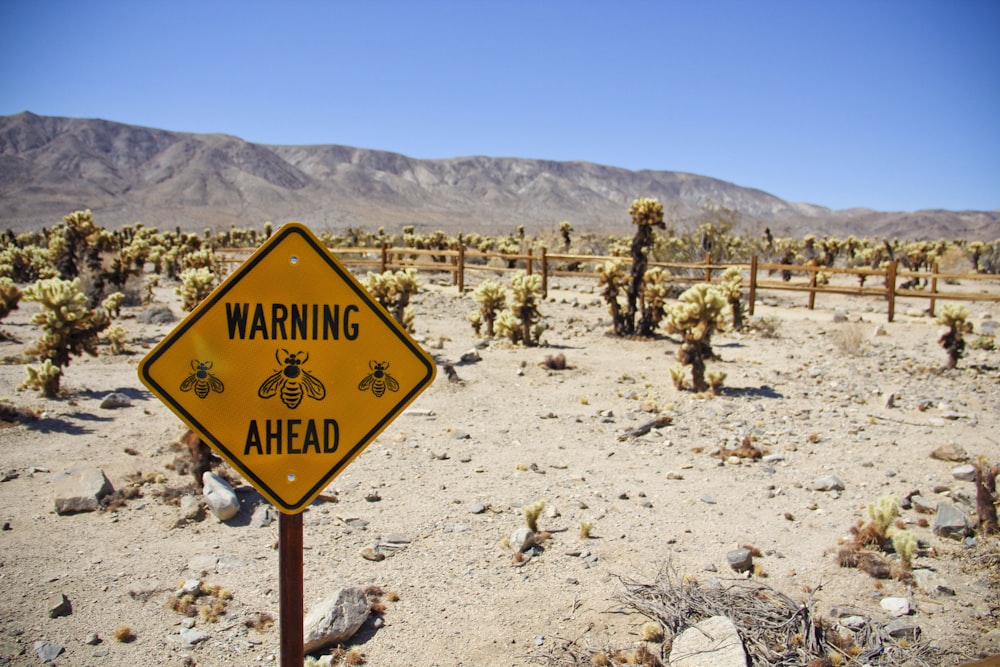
(288, 369)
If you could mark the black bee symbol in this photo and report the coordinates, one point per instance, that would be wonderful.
(201, 380)
(292, 382)
(378, 380)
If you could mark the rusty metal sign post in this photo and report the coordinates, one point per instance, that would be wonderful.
(288, 370)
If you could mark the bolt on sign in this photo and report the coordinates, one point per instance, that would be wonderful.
(288, 369)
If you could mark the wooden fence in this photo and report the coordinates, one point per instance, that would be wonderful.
(811, 279)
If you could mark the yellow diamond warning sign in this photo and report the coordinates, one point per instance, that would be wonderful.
(289, 369)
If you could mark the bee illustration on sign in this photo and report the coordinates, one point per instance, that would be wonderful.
(202, 380)
(291, 382)
(378, 380)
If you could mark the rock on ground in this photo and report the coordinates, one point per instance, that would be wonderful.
(80, 489)
(335, 619)
(715, 642)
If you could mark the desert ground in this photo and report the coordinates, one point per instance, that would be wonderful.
(445, 482)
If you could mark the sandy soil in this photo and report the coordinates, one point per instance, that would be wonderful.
(510, 433)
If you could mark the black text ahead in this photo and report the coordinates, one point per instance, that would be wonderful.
(275, 437)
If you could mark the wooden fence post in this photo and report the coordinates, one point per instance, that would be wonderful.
(461, 269)
(812, 283)
(545, 273)
(934, 272)
(708, 267)
(528, 262)
(890, 288)
(385, 258)
(753, 282)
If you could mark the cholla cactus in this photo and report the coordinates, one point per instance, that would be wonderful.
(117, 336)
(526, 291)
(26, 264)
(507, 326)
(475, 318)
(653, 300)
(955, 318)
(75, 244)
(613, 279)
(565, 228)
(883, 512)
(196, 284)
(10, 295)
(699, 312)
(731, 289)
(646, 214)
(905, 544)
(69, 329)
(393, 290)
(492, 298)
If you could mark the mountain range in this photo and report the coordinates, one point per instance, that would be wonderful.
(51, 166)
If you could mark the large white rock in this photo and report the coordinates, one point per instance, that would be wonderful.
(715, 642)
(219, 496)
(335, 619)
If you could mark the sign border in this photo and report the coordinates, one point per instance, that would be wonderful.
(217, 295)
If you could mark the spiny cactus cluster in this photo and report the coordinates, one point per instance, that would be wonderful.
(69, 329)
(393, 290)
(492, 298)
(699, 312)
(955, 317)
(520, 321)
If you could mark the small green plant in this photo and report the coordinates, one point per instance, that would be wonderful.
(531, 513)
(954, 317)
(196, 284)
(699, 312)
(69, 329)
(652, 631)
(585, 528)
(492, 298)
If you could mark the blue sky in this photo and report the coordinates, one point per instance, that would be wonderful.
(886, 104)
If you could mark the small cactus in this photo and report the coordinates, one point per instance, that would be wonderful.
(69, 329)
(492, 298)
(955, 318)
(699, 312)
(196, 284)
(10, 295)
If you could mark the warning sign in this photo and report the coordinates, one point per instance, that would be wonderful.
(289, 369)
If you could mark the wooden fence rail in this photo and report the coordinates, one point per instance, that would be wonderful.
(885, 281)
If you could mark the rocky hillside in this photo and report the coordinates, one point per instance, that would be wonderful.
(50, 166)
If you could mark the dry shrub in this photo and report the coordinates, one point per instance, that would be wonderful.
(849, 339)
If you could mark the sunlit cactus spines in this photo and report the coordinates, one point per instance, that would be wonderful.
(731, 287)
(646, 214)
(699, 312)
(526, 293)
(492, 298)
(10, 296)
(25, 264)
(196, 284)
(69, 327)
(393, 290)
(613, 279)
(645, 211)
(653, 300)
(955, 317)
